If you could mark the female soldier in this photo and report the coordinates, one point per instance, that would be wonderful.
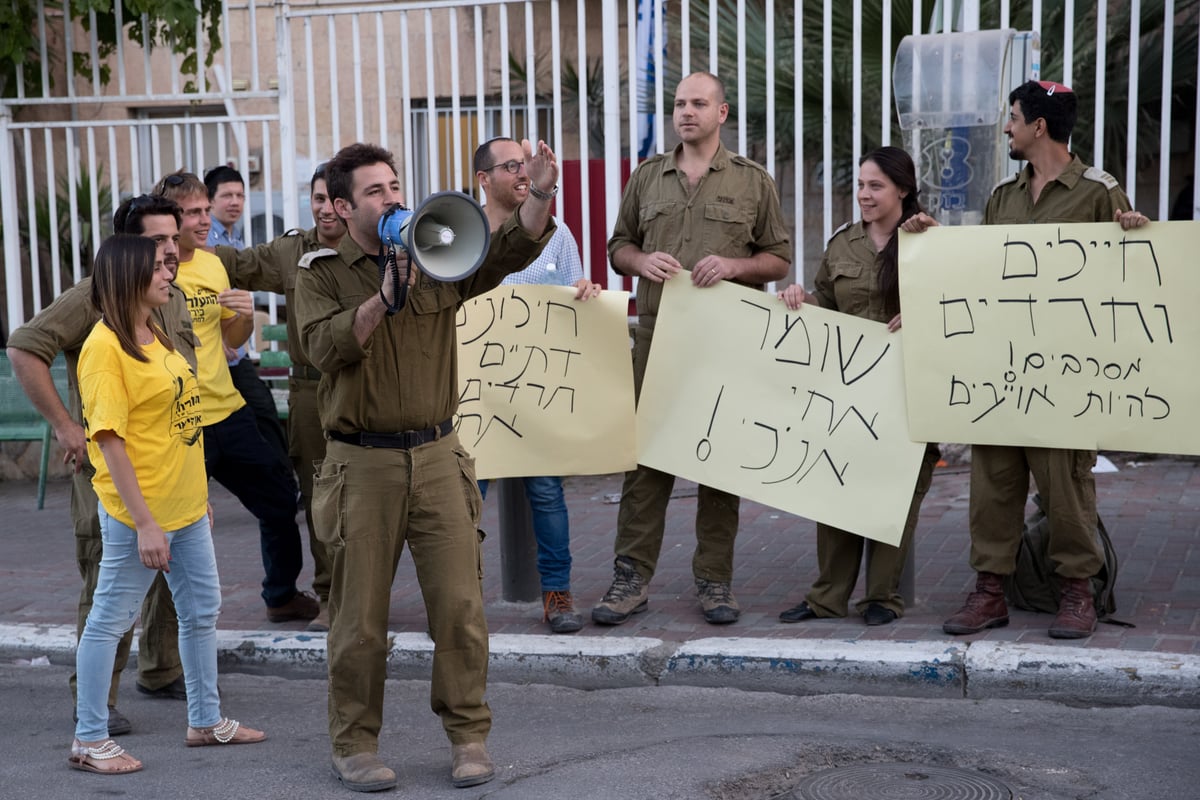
(859, 276)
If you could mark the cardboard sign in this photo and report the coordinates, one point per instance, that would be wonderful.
(547, 382)
(1078, 335)
(803, 411)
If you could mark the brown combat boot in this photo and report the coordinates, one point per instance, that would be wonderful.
(1076, 610)
(363, 772)
(985, 607)
(627, 595)
(470, 765)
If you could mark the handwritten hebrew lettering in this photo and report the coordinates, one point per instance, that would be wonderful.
(1073, 335)
(801, 410)
(546, 382)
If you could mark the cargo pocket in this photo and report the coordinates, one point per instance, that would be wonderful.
(466, 465)
(482, 534)
(1082, 463)
(328, 514)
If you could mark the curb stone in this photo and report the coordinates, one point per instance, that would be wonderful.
(1120, 677)
(582, 662)
(902, 669)
(944, 669)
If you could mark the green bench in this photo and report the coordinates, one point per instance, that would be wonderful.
(273, 365)
(21, 422)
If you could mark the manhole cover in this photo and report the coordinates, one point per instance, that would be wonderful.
(899, 782)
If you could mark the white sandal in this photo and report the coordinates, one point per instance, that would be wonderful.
(89, 758)
(227, 731)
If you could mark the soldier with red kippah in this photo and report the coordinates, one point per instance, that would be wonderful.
(1054, 186)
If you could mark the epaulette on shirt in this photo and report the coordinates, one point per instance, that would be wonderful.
(833, 235)
(742, 161)
(306, 260)
(1100, 176)
(1010, 179)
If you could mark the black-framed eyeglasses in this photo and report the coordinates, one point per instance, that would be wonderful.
(512, 166)
(174, 180)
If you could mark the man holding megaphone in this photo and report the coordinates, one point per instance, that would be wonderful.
(378, 319)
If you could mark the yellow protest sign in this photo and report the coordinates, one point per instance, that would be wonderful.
(1075, 335)
(803, 411)
(547, 382)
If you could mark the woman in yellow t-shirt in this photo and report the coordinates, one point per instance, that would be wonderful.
(141, 409)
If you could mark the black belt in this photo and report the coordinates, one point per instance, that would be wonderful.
(405, 440)
(305, 373)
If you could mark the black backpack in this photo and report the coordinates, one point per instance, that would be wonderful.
(1034, 584)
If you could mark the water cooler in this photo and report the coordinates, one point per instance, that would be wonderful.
(952, 99)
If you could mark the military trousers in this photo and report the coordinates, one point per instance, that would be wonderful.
(642, 517)
(999, 489)
(158, 647)
(367, 504)
(839, 554)
(306, 446)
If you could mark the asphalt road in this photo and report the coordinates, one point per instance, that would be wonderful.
(652, 742)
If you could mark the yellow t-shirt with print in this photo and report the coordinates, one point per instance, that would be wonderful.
(202, 279)
(154, 406)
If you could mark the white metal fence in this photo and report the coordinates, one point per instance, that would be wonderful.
(296, 81)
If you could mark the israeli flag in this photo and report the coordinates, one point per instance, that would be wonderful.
(647, 10)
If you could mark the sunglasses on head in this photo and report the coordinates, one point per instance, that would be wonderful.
(141, 201)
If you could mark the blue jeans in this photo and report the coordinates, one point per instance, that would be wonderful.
(551, 529)
(122, 584)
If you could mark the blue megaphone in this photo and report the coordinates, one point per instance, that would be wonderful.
(447, 236)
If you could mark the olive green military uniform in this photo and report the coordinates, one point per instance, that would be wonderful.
(409, 481)
(848, 281)
(271, 267)
(1000, 475)
(732, 212)
(62, 327)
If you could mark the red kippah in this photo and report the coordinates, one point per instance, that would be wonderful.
(1055, 88)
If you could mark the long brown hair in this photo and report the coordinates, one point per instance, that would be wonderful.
(122, 272)
(898, 166)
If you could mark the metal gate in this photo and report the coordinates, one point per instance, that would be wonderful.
(294, 81)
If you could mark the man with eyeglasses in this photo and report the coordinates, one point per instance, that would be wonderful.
(395, 472)
(62, 327)
(272, 267)
(235, 452)
(1054, 186)
(715, 214)
(500, 169)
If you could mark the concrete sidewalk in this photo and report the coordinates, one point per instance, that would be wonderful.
(1151, 508)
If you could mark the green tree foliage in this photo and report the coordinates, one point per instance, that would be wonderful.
(161, 23)
(753, 106)
(593, 90)
(1151, 51)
